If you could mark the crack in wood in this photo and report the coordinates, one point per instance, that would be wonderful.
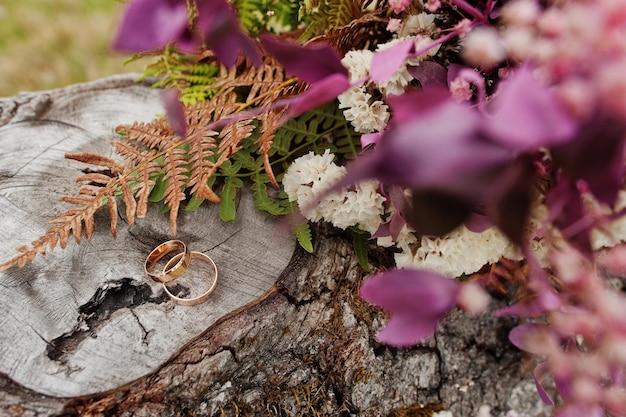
(113, 296)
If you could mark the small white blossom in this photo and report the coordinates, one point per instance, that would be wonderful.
(419, 23)
(459, 252)
(610, 234)
(358, 63)
(362, 207)
(365, 117)
(444, 413)
(310, 176)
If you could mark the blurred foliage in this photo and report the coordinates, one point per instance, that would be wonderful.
(52, 43)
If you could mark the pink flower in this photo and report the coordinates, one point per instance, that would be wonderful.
(394, 25)
(399, 5)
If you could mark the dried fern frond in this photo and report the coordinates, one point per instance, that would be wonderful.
(323, 16)
(161, 166)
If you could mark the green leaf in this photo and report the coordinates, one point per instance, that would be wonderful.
(262, 200)
(194, 203)
(158, 191)
(228, 209)
(303, 234)
(360, 240)
(247, 161)
(229, 169)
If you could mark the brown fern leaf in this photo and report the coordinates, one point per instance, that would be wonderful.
(175, 164)
(363, 33)
(202, 145)
(153, 135)
(69, 222)
(129, 200)
(142, 189)
(98, 160)
(266, 82)
(131, 152)
(89, 189)
(152, 150)
(112, 203)
(94, 177)
(270, 122)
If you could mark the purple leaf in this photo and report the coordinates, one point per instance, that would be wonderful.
(175, 112)
(526, 115)
(416, 299)
(370, 138)
(580, 410)
(151, 24)
(311, 63)
(596, 155)
(417, 104)
(525, 336)
(220, 30)
(388, 61)
(435, 213)
(540, 373)
(317, 94)
(430, 74)
(563, 386)
(478, 222)
(406, 330)
(508, 198)
(544, 301)
(424, 149)
(393, 226)
(567, 211)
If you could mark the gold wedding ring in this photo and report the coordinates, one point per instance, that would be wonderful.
(172, 270)
(202, 297)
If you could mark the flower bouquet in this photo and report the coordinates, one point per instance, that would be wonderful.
(482, 142)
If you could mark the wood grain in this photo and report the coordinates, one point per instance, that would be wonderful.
(87, 319)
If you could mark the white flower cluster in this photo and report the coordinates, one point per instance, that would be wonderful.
(609, 235)
(459, 252)
(310, 177)
(462, 251)
(366, 113)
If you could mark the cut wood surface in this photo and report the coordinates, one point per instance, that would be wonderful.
(84, 331)
(88, 319)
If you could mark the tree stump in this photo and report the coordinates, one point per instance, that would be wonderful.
(86, 332)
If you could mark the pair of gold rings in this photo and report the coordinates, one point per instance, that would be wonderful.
(175, 267)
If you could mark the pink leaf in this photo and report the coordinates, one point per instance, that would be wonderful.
(388, 61)
(175, 112)
(416, 299)
(151, 24)
(311, 63)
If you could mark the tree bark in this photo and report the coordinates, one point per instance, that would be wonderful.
(86, 332)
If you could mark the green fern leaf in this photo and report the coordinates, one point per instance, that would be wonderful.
(228, 207)
(360, 241)
(262, 200)
(303, 234)
(158, 191)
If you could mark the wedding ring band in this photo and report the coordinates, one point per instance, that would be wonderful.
(169, 272)
(202, 297)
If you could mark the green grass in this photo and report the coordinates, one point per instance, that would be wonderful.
(52, 43)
